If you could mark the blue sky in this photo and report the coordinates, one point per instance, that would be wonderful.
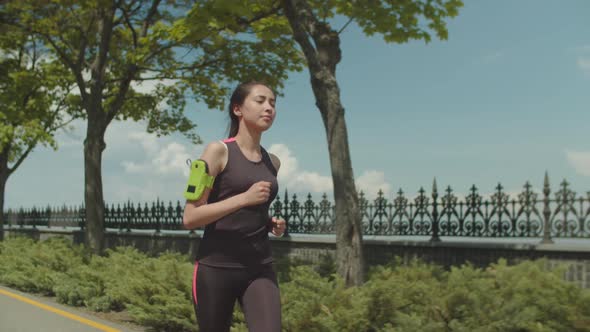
(504, 99)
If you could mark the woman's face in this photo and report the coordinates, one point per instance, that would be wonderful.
(258, 109)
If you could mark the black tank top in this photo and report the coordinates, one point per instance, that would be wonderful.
(239, 239)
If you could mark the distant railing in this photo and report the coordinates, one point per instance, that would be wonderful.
(526, 215)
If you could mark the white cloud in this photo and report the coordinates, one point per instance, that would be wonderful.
(580, 160)
(149, 86)
(162, 156)
(302, 181)
(148, 142)
(370, 182)
(132, 167)
(168, 159)
(136, 165)
(117, 134)
(72, 136)
(146, 192)
(288, 162)
(295, 180)
(314, 182)
(149, 167)
(584, 64)
(172, 159)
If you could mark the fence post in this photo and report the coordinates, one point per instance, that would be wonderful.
(286, 214)
(546, 213)
(435, 237)
(34, 217)
(156, 215)
(105, 216)
(5, 217)
(82, 217)
(48, 216)
(122, 217)
(130, 215)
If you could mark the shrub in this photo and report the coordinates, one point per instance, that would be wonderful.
(527, 297)
(155, 291)
(518, 298)
(36, 266)
(404, 296)
(160, 296)
(312, 303)
(79, 286)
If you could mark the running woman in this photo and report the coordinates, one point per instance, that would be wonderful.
(229, 192)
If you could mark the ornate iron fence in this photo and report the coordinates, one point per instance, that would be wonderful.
(527, 214)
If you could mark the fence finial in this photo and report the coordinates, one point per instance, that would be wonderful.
(546, 182)
(546, 212)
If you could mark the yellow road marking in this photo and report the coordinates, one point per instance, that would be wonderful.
(60, 312)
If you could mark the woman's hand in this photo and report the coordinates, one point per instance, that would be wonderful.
(278, 226)
(257, 194)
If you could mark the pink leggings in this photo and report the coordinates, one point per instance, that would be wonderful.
(216, 289)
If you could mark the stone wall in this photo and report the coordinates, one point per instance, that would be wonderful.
(377, 251)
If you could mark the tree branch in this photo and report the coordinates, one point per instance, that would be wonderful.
(34, 60)
(73, 66)
(345, 25)
(84, 45)
(151, 13)
(131, 68)
(302, 29)
(105, 32)
(21, 159)
(275, 9)
(58, 109)
(159, 50)
(170, 77)
(130, 26)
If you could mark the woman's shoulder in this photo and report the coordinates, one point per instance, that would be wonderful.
(215, 148)
(215, 154)
(276, 162)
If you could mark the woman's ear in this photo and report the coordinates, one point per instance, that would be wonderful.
(237, 110)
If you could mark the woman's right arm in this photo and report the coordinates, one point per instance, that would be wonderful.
(199, 213)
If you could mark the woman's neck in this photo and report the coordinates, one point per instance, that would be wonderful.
(248, 141)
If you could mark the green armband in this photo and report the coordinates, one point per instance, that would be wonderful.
(198, 180)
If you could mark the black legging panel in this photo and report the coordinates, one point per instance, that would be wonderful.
(215, 291)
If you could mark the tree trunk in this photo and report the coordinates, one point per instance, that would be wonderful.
(322, 57)
(97, 123)
(4, 174)
(349, 250)
(94, 145)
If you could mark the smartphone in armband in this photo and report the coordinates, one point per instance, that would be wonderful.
(198, 180)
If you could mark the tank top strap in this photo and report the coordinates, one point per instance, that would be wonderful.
(268, 161)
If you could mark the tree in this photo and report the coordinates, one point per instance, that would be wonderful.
(398, 21)
(35, 102)
(109, 44)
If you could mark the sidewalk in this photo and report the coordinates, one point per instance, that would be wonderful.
(20, 312)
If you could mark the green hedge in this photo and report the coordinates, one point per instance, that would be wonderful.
(400, 297)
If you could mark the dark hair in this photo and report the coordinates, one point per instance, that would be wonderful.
(237, 98)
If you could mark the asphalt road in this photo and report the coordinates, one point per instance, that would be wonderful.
(20, 312)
